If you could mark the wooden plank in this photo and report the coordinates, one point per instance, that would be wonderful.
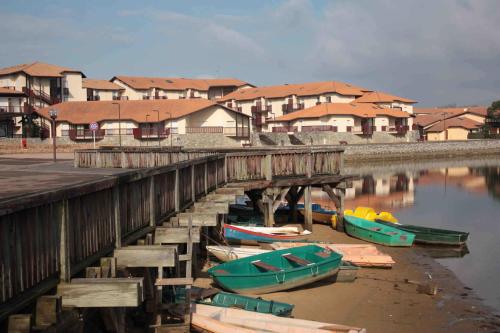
(48, 308)
(19, 323)
(96, 293)
(230, 198)
(165, 235)
(219, 207)
(265, 266)
(308, 222)
(145, 256)
(93, 272)
(64, 253)
(174, 282)
(297, 260)
(199, 219)
(230, 190)
(108, 267)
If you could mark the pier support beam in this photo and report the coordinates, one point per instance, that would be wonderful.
(338, 200)
(308, 222)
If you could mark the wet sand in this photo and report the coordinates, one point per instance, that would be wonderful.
(380, 301)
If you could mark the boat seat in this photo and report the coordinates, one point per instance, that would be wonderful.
(265, 266)
(322, 254)
(297, 260)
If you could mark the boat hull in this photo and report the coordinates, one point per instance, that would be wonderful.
(377, 233)
(241, 276)
(228, 253)
(242, 236)
(433, 236)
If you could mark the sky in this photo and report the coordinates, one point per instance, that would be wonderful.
(439, 52)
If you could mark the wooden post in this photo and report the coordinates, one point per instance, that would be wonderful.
(177, 197)
(340, 212)
(19, 323)
(268, 167)
(308, 208)
(189, 266)
(117, 218)
(64, 255)
(206, 177)
(152, 202)
(48, 308)
(225, 169)
(309, 165)
(193, 188)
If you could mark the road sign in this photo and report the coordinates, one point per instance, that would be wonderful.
(94, 126)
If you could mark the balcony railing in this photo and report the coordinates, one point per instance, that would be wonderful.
(77, 135)
(150, 133)
(17, 109)
(257, 121)
(93, 98)
(285, 129)
(368, 129)
(287, 108)
(42, 95)
(402, 129)
(319, 128)
(205, 129)
(239, 132)
(261, 108)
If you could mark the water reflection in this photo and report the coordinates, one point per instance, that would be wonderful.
(459, 195)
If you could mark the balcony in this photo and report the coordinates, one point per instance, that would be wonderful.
(26, 108)
(150, 133)
(261, 108)
(287, 108)
(319, 128)
(42, 95)
(402, 129)
(93, 98)
(237, 132)
(257, 121)
(83, 135)
(285, 129)
(205, 130)
(368, 129)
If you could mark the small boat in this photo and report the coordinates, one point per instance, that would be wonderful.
(254, 235)
(246, 220)
(363, 255)
(277, 270)
(433, 236)
(215, 297)
(228, 253)
(319, 214)
(229, 320)
(376, 232)
(256, 304)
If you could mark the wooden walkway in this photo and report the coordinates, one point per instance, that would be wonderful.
(130, 219)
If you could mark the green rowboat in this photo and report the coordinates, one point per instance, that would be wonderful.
(434, 236)
(277, 270)
(376, 232)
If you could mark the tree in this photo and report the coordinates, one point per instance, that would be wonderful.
(492, 119)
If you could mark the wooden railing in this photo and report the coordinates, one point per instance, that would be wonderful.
(150, 133)
(56, 233)
(285, 129)
(86, 134)
(204, 129)
(319, 128)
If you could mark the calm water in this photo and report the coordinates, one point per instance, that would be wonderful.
(461, 195)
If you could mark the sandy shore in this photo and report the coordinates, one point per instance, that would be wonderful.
(380, 301)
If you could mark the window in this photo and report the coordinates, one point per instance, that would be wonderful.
(328, 99)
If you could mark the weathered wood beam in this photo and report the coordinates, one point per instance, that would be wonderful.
(230, 198)
(19, 323)
(280, 198)
(174, 282)
(308, 222)
(90, 293)
(146, 256)
(230, 190)
(199, 219)
(108, 267)
(165, 235)
(48, 308)
(219, 207)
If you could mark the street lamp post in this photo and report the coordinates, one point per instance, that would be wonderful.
(53, 116)
(119, 124)
(170, 122)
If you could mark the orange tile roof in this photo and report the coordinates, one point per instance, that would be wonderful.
(39, 69)
(454, 122)
(135, 110)
(100, 85)
(381, 97)
(362, 110)
(144, 83)
(303, 89)
(8, 91)
(426, 117)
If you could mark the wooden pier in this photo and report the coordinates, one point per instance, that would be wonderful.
(53, 237)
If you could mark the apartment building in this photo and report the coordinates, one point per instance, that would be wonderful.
(12, 106)
(440, 124)
(101, 90)
(355, 118)
(144, 120)
(44, 84)
(137, 88)
(271, 102)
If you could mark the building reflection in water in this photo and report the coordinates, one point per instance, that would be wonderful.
(396, 191)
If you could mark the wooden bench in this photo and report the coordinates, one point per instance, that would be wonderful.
(265, 266)
(322, 254)
(297, 260)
